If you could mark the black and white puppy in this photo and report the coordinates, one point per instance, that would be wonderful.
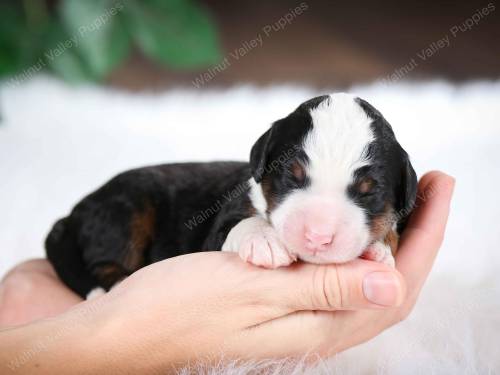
(326, 184)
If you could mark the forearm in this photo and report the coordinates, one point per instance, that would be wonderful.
(46, 347)
(63, 344)
(90, 338)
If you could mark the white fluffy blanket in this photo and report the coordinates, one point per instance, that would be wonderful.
(58, 143)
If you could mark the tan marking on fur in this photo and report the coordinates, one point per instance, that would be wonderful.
(382, 230)
(382, 224)
(268, 195)
(298, 170)
(109, 274)
(392, 239)
(141, 233)
(366, 185)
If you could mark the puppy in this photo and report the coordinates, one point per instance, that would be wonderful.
(326, 184)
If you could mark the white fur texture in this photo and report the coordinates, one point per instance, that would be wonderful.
(332, 214)
(320, 224)
(337, 144)
(58, 143)
(257, 242)
(380, 252)
(95, 293)
(257, 197)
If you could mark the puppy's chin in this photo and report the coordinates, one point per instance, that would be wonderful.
(328, 256)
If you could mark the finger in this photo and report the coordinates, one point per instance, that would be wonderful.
(354, 285)
(424, 233)
(433, 200)
(310, 332)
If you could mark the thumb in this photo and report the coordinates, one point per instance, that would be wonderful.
(355, 285)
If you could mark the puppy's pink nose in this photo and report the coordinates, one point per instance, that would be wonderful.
(317, 240)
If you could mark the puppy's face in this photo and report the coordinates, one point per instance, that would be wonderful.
(331, 178)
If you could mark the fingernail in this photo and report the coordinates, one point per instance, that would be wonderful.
(381, 288)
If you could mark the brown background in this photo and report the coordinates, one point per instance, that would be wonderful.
(338, 44)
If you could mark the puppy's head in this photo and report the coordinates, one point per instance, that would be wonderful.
(331, 178)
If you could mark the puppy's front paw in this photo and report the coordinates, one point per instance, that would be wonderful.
(257, 242)
(379, 252)
(264, 249)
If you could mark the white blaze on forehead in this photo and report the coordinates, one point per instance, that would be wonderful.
(337, 143)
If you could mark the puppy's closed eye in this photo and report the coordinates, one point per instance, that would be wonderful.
(366, 185)
(298, 171)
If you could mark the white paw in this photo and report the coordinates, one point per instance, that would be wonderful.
(257, 242)
(380, 252)
(94, 293)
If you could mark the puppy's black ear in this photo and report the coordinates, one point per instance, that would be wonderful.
(259, 155)
(408, 191)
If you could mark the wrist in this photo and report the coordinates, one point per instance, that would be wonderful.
(118, 338)
(68, 343)
(47, 346)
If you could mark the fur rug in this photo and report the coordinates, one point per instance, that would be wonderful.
(59, 142)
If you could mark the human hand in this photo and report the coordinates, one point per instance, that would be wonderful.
(204, 305)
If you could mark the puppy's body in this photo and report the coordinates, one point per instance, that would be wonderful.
(146, 215)
(327, 183)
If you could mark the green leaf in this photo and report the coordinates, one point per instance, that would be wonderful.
(97, 32)
(13, 41)
(71, 68)
(10, 26)
(62, 57)
(178, 33)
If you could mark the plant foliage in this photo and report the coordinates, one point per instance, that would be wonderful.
(83, 40)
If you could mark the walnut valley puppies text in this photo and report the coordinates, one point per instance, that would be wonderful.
(247, 46)
(436, 46)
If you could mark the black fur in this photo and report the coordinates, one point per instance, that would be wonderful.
(278, 149)
(194, 207)
(396, 181)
